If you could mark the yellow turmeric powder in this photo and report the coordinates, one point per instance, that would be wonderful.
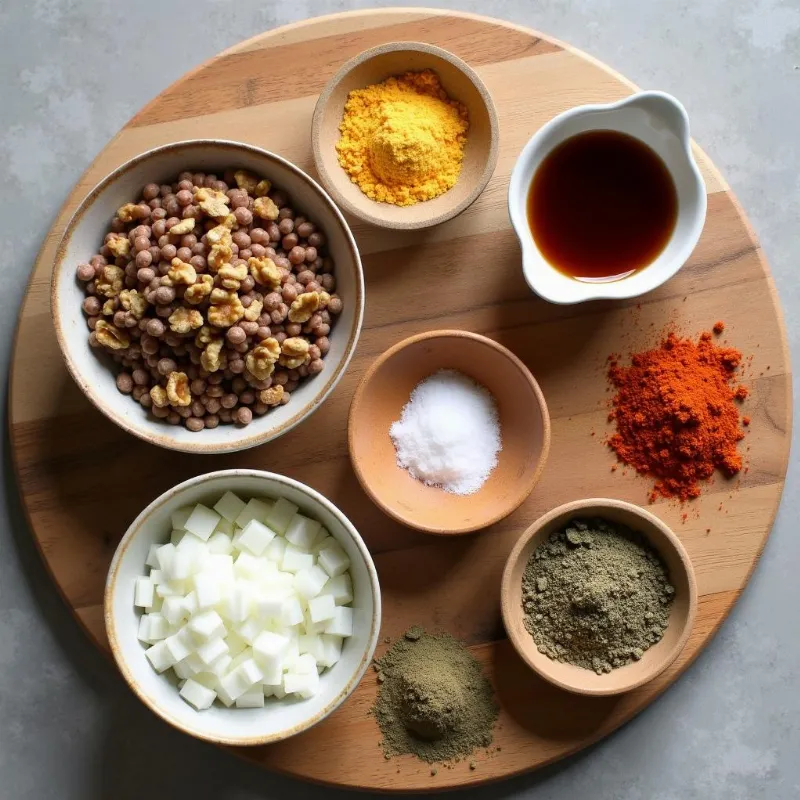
(403, 140)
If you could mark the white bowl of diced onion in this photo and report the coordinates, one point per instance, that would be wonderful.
(242, 607)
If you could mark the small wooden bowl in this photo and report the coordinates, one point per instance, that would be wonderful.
(657, 658)
(386, 388)
(459, 81)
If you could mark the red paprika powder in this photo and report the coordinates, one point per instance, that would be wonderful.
(676, 415)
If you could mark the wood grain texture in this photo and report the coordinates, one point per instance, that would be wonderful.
(83, 481)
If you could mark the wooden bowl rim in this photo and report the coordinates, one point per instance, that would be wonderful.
(650, 520)
(330, 183)
(527, 485)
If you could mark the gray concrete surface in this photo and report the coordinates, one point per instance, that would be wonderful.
(73, 71)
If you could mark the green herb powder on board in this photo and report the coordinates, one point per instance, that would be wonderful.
(596, 595)
(434, 700)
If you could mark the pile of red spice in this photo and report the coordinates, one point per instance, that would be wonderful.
(676, 415)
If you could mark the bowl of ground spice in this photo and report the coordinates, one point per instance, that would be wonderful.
(599, 597)
(405, 136)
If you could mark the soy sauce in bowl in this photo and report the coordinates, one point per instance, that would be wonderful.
(602, 205)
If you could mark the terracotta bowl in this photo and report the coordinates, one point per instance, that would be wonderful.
(94, 372)
(460, 82)
(386, 388)
(659, 656)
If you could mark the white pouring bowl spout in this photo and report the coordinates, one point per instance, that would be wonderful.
(661, 122)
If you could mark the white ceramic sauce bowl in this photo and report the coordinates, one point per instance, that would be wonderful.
(279, 719)
(95, 372)
(661, 122)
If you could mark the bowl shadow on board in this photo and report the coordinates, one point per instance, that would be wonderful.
(544, 709)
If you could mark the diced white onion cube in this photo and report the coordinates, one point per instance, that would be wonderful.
(249, 630)
(220, 543)
(143, 634)
(295, 560)
(275, 549)
(304, 684)
(269, 648)
(229, 506)
(159, 656)
(308, 583)
(206, 588)
(221, 666)
(321, 608)
(252, 698)
(152, 556)
(173, 609)
(143, 593)
(179, 645)
(281, 515)
(255, 537)
(157, 576)
(181, 567)
(292, 612)
(269, 604)
(313, 645)
(225, 527)
(255, 509)
(202, 521)
(207, 625)
(331, 650)
(302, 531)
(340, 588)
(198, 695)
(158, 627)
(176, 537)
(180, 516)
(333, 560)
(211, 650)
(190, 603)
(164, 557)
(321, 541)
(341, 624)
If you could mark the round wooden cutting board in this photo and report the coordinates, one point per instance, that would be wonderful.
(83, 480)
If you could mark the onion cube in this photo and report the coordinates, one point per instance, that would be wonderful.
(181, 567)
(182, 670)
(304, 663)
(143, 634)
(313, 628)
(273, 674)
(152, 556)
(295, 560)
(198, 695)
(223, 696)
(239, 680)
(164, 557)
(179, 644)
(206, 625)
(340, 588)
(176, 537)
(170, 589)
(246, 565)
(341, 624)
(291, 652)
(206, 589)
(229, 506)
(321, 541)
(304, 684)
(173, 610)
(281, 515)
(275, 549)
(269, 648)
(190, 603)
(180, 516)
(269, 603)
(251, 671)
(279, 691)
(331, 650)
(202, 521)
(302, 531)
(159, 657)
(321, 608)
(255, 537)
(143, 593)
(211, 650)
(291, 612)
(219, 544)
(312, 645)
(194, 664)
(221, 566)
(239, 603)
(308, 583)
(255, 509)
(157, 576)
(221, 666)
(249, 630)
(252, 698)
(333, 560)
(225, 527)
(158, 627)
(236, 644)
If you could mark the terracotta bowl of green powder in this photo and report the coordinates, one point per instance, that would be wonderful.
(599, 596)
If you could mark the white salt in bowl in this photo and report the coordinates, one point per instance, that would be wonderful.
(279, 719)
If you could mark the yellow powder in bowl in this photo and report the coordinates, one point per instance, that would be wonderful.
(403, 139)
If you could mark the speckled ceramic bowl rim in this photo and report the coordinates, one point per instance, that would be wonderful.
(131, 533)
(649, 520)
(417, 47)
(526, 487)
(239, 440)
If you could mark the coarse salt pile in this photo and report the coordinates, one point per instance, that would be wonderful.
(247, 600)
(448, 434)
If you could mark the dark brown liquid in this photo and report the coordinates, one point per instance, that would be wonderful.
(601, 206)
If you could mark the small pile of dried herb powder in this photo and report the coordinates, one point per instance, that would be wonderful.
(596, 595)
(434, 700)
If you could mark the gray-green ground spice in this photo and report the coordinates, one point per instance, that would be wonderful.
(435, 701)
(596, 595)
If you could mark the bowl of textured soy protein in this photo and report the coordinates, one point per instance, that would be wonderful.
(599, 597)
(405, 136)
(448, 432)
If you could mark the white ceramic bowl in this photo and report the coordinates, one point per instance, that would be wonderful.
(658, 120)
(93, 371)
(279, 719)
